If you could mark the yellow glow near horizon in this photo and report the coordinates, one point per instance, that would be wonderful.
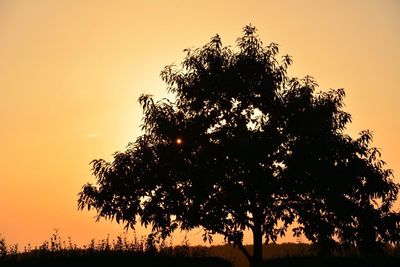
(71, 73)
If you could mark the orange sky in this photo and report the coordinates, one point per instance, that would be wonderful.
(71, 72)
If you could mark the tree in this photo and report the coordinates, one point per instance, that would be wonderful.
(243, 146)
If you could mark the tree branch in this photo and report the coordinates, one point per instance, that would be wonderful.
(244, 251)
(237, 244)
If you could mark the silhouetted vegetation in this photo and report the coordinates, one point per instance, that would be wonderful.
(244, 146)
(147, 252)
(106, 252)
(288, 254)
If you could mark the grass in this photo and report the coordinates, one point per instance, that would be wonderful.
(150, 252)
(305, 255)
(106, 252)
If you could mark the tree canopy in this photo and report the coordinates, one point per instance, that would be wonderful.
(244, 146)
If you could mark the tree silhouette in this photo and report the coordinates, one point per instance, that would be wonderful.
(339, 188)
(243, 146)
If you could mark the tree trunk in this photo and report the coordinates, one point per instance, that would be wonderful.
(256, 260)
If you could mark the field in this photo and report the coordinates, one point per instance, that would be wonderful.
(148, 252)
(304, 255)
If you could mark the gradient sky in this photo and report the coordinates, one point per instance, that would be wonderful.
(71, 72)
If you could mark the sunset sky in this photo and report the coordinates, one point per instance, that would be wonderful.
(71, 72)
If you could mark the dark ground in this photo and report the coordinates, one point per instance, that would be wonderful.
(112, 258)
(56, 253)
(127, 258)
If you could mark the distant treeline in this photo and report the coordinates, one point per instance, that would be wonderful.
(301, 254)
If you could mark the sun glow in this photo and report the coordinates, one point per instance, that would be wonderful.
(178, 141)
